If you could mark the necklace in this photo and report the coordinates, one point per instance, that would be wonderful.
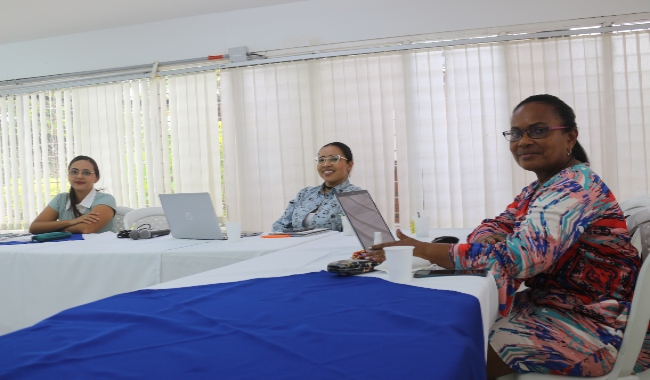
(328, 187)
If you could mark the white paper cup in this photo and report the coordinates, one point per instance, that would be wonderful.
(233, 229)
(399, 261)
(422, 226)
(347, 227)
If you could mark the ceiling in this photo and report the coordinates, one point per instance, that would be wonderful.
(24, 20)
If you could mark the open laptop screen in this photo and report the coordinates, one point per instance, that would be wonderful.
(364, 217)
(191, 216)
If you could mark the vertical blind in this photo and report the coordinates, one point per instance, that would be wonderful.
(277, 117)
(429, 118)
(195, 136)
(456, 165)
(148, 136)
(448, 107)
(604, 77)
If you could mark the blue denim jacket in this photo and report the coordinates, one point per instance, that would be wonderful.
(308, 199)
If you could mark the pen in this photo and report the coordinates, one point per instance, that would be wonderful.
(275, 236)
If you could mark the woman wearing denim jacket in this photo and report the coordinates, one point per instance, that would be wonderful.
(317, 206)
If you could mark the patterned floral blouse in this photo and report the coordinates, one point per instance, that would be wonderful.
(568, 240)
(312, 198)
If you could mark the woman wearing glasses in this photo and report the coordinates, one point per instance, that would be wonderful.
(566, 237)
(317, 207)
(83, 210)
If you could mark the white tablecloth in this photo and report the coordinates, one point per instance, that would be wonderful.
(39, 280)
(186, 261)
(305, 258)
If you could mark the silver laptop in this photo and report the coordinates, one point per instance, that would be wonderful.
(191, 216)
(364, 217)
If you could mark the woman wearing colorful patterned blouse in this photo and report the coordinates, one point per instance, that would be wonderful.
(566, 237)
(83, 210)
(317, 207)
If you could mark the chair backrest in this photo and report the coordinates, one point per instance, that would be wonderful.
(637, 322)
(118, 219)
(639, 226)
(153, 216)
(633, 205)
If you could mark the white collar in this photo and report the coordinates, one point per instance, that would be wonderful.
(86, 202)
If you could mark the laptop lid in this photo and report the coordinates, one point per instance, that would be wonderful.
(364, 217)
(191, 216)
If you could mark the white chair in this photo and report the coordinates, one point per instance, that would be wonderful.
(118, 219)
(637, 322)
(153, 216)
(632, 205)
(637, 223)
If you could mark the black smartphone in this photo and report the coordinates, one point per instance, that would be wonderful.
(449, 272)
(351, 267)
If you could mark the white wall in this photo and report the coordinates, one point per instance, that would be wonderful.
(293, 25)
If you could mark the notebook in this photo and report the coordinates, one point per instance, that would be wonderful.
(192, 216)
(364, 217)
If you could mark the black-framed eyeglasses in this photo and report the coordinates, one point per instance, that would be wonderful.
(534, 132)
(84, 173)
(333, 159)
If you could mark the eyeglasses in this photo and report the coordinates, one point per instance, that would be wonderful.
(332, 159)
(84, 173)
(534, 132)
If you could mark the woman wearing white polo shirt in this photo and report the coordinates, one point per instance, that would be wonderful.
(83, 210)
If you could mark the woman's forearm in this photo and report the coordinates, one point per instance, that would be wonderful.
(83, 228)
(42, 227)
(436, 253)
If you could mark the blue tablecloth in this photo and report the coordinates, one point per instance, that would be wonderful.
(310, 326)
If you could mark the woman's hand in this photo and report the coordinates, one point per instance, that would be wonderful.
(90, 218)
(377, 251)
(436, 253)
(491, 239)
